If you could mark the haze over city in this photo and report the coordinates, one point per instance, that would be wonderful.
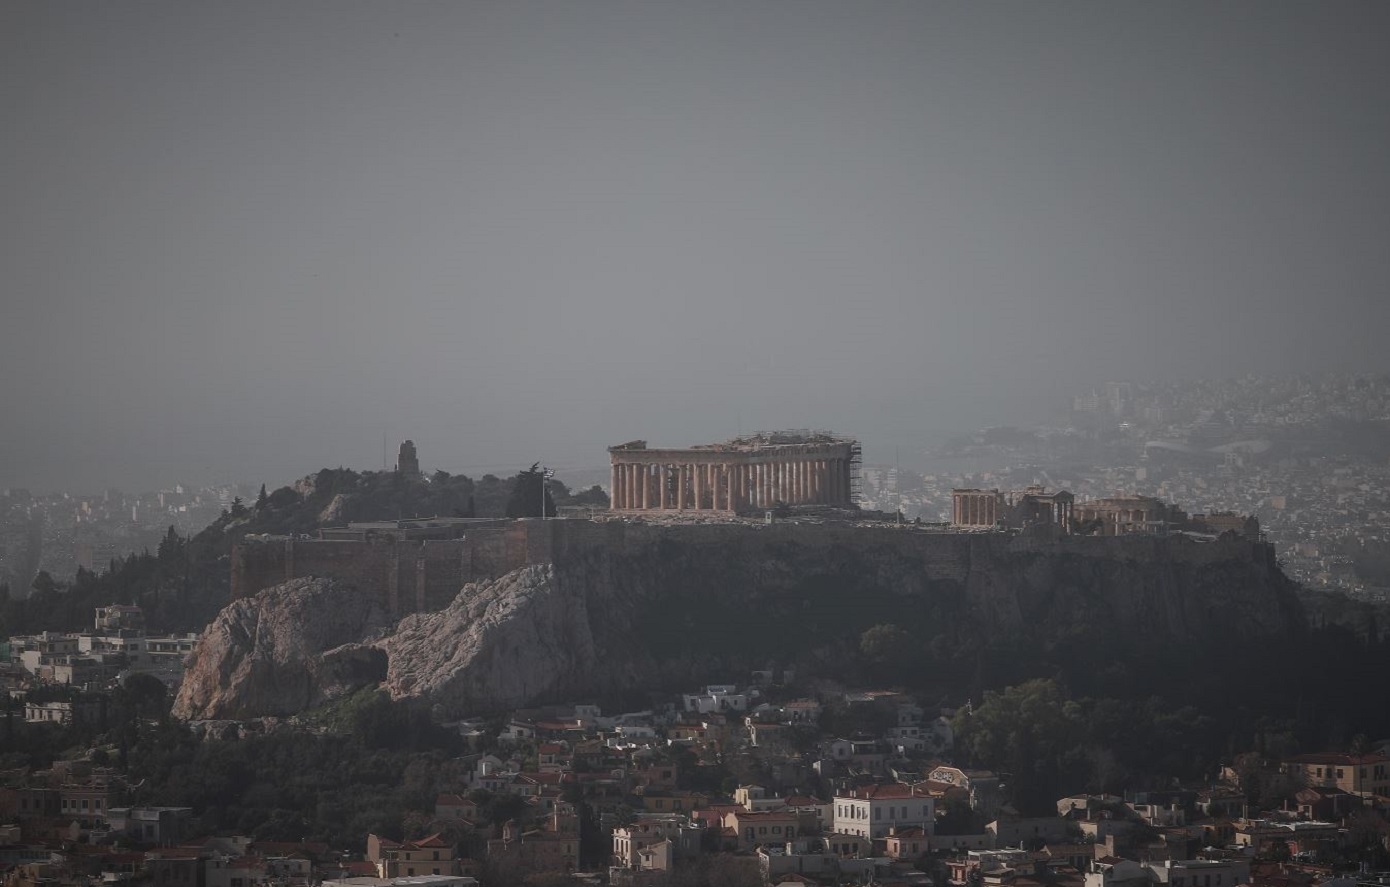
(244, 241)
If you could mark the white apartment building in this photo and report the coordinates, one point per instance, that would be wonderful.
(871, 811)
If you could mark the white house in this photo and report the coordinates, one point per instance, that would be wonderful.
(871, 811)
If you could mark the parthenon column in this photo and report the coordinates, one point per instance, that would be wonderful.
(630, 486)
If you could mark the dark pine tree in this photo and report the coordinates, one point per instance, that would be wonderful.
(525, 500)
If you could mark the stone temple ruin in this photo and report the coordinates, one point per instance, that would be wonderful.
(744, 474)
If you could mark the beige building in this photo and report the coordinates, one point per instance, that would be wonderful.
(745, 474)
(406, 859)
(1355, 774)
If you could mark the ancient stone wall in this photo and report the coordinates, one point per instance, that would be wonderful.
(414, 576)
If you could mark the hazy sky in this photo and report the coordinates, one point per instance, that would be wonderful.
(242, 240)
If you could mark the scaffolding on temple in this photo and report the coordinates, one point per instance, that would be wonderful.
(856, 483)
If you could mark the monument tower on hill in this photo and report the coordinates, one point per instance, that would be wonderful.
(407, 463)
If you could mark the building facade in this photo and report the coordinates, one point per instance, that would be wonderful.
(1028, 507)
(744, 474)
(872, 811)
(1365, 774)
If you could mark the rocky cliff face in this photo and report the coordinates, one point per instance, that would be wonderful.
(630, 606)
(281, 651)
(501, 644)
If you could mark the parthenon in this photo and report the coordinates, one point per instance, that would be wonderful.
(744, 474)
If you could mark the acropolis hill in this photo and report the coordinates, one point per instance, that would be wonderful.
(804, 481)
(586, 608)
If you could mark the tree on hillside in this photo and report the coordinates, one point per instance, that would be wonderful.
(525, 500)
(594, 496)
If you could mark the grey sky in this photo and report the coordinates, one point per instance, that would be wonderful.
(241, 240)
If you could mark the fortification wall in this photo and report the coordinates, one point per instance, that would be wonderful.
(944, 555)
(414, 576)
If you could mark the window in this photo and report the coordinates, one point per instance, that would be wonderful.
(877, 812)
(1339, 772)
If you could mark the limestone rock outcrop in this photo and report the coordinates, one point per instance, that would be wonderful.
(500, 644)
(285, 649)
